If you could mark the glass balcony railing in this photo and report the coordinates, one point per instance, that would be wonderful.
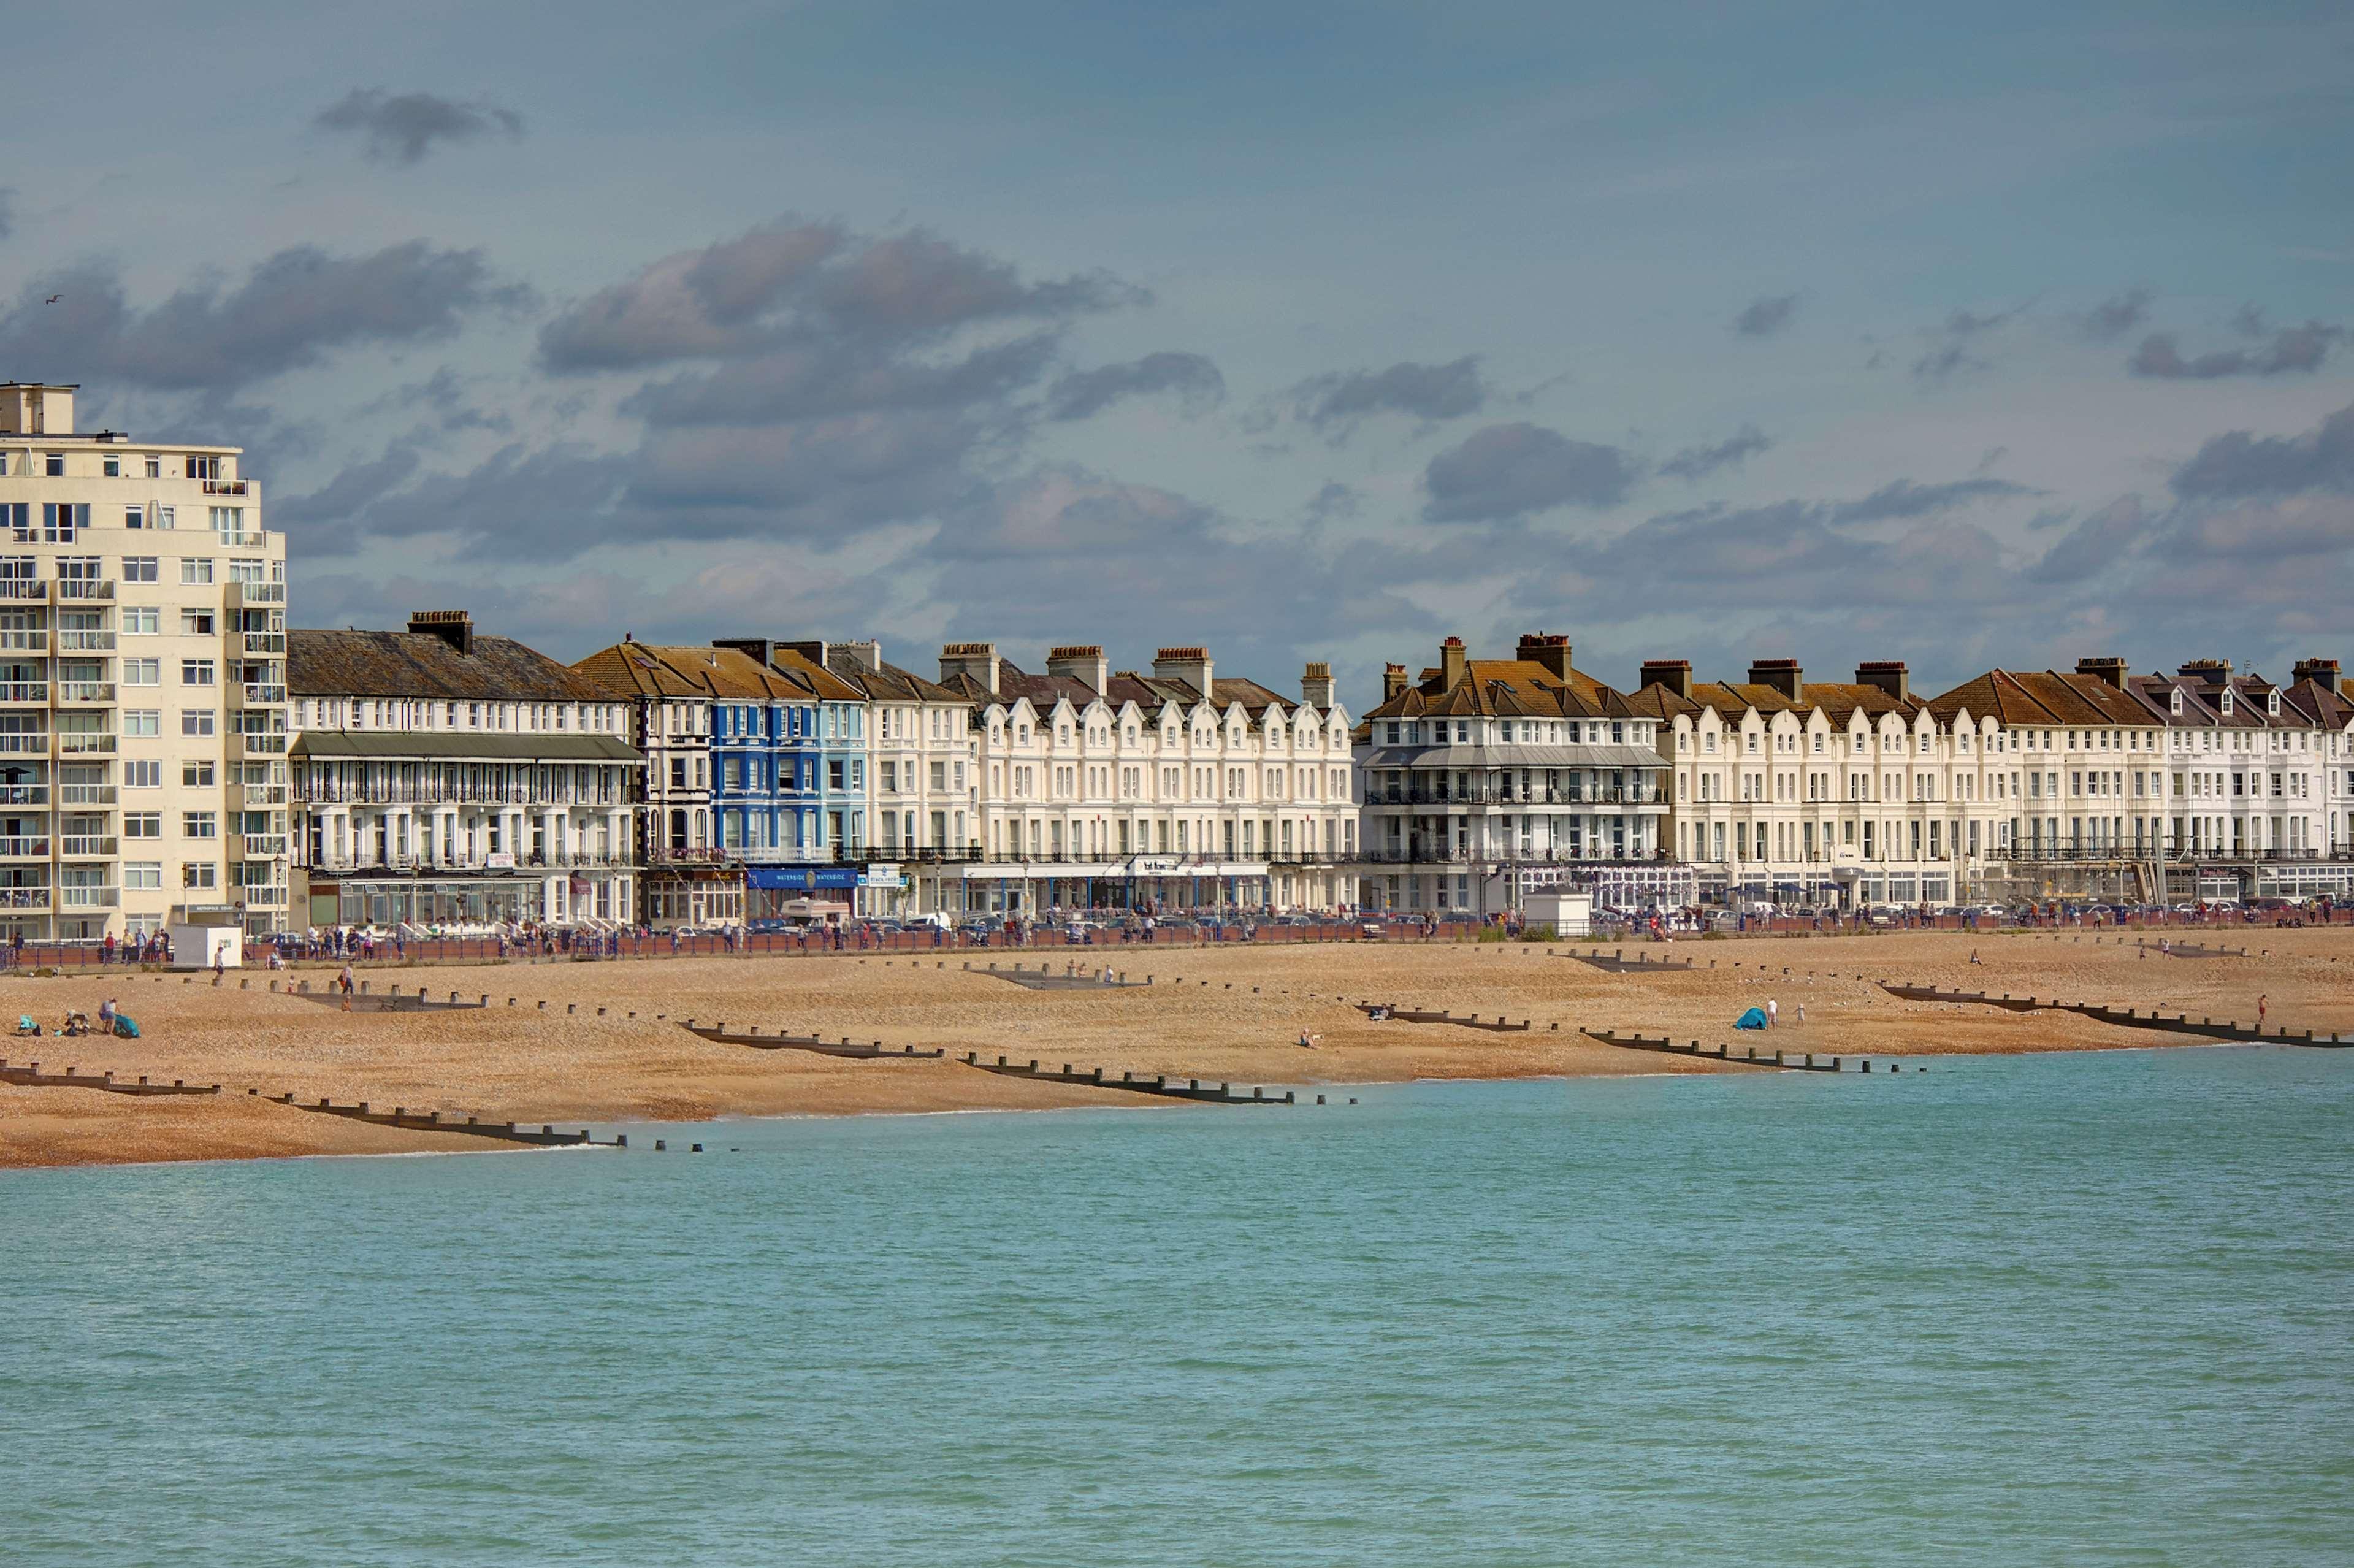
(85, 642)
(258, 642)
(19, 742)
(24, 849)
(84, 587)
(265, 846)
(85, 690)
(73, 741)
(88, 898)
(24, 641)
(86, 794)
(261, 593)
(87, 846)
(265, 745)
(265, 794)
(24, 898)
(29, 794)
(25, 691)
(258, 694)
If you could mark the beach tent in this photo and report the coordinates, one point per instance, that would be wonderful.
(125, 1027)
(1753, 1019)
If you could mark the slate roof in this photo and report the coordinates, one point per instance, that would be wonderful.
(1149, 692)
(420, 665)
(1511, 688)
(644, 669)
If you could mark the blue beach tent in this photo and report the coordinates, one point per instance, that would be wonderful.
(1753, 1019)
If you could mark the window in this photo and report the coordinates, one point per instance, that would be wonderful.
(146, 774)
(196, 773)
(142, 824)
(161, 517)
(195, 672)
(199, 825)
(195, 571)
(143, 874)
(196, 721)
(195, 623)
(55, 465)
(194, 873)
(142, 672)
(155, 468)
(142, 721)
(141, 621)
(138, 568)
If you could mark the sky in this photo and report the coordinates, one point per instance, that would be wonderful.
(1989, 335)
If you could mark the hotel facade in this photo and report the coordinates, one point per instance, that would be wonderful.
(142, 684)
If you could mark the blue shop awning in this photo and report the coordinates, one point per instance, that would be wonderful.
(801, 878)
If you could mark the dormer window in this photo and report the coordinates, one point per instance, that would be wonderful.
(2174, 700)
(2227, 702)
(2272, 704)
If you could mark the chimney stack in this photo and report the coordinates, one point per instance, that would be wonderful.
(2321, 671)
(1675, 675)
(1888, 674)
(2112, 670)
(977, 660)
(1392, 682)
(1782, 674)
(1544, 648)
(1082, 661)
(2213, 671)
(1190, 666)
(1316, 684)
(1452, 662)
(454, 627)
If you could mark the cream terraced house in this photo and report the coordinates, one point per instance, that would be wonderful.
(1786, 791)
(142, 695)
(1489, 778)
(447, 780)
(1181, 789)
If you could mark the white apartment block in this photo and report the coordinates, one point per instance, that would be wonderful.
(446, 779)
(1179, 790)
(143, 697)
(1489, 778)
(1811, 793)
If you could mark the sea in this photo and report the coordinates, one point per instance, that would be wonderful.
(2067, 1309)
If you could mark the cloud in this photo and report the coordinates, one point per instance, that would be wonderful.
(7, 211)
(2112, 318)
(1696, 462)
(1765, 315)
(1335, 403)
(1085, 393)
(404, 127)
(1949, 351)
(2289, 349)
(2099, 542)
(1509, 470)
(2241, 464)
(796, 282)
(1335, 499)
(290, 313)
(1903, 499)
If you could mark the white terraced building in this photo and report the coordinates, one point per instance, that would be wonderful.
(1179, 790)
(143, 685)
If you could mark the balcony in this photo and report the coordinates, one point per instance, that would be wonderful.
(259, 696)
(264, 794)
(28, 794)
(88, 898)
(24, 849)
(226, 486)
(265, 846)
(17, 741)
(263, 745)
(18, 693)
(86, 794)
(258, 642)
(75, 742)
(84, 587)
(85, 642)
(24, 898)
(86, 692)
(23, 588)
(24, 641)
(261, 593)
(87, 846)
(268, 897)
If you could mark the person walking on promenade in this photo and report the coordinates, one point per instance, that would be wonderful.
(106, 949)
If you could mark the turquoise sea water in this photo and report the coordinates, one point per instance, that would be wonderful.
(2036, 1310)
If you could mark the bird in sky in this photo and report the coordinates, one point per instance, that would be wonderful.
(53, 299)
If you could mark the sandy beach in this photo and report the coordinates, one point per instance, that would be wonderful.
(537, 1065)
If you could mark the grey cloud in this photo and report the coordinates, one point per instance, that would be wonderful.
(290, 313)
(1949, 351)
(1085, 393)
(819, 380)
(404, 126)
(1765, 315)
(1904, 499)
(327, 515)
(7, 211)
(1696, 462)
(2241, 464)
(796, 281)
(1509, 470)
(2112, 318)
(1335, 499)
(2290, 349)
(518, 504)
(2098, 542)
(1334, 403)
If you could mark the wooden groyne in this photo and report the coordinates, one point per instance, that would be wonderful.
(29, 1076)
(871, 1050)
(1779, 1060)
(1617, 963)
(1044, 978)
(2186, 950)
(1409, 1015)
(433, 1121)
(392, 1000)
(1164, 1087)
(2132, 1018)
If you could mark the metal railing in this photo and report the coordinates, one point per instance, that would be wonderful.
(1495, 795)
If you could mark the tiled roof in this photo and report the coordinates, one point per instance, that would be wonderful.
(420, 665)
(1513, 687)
(885, 683)
(1151, 694)
(638, 669)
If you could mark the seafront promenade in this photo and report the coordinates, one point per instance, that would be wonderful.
(607, 1043)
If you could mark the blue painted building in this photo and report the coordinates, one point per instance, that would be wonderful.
(788, 775)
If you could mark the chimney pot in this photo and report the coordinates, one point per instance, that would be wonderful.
(1888, 674)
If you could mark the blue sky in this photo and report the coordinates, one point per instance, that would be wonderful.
(1971, 335)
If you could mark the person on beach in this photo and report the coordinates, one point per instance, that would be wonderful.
(343, 984)
(1773, 1012)
(217, 968)
(2260, 1014)
(1307, 1040)
(1802, 1015)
